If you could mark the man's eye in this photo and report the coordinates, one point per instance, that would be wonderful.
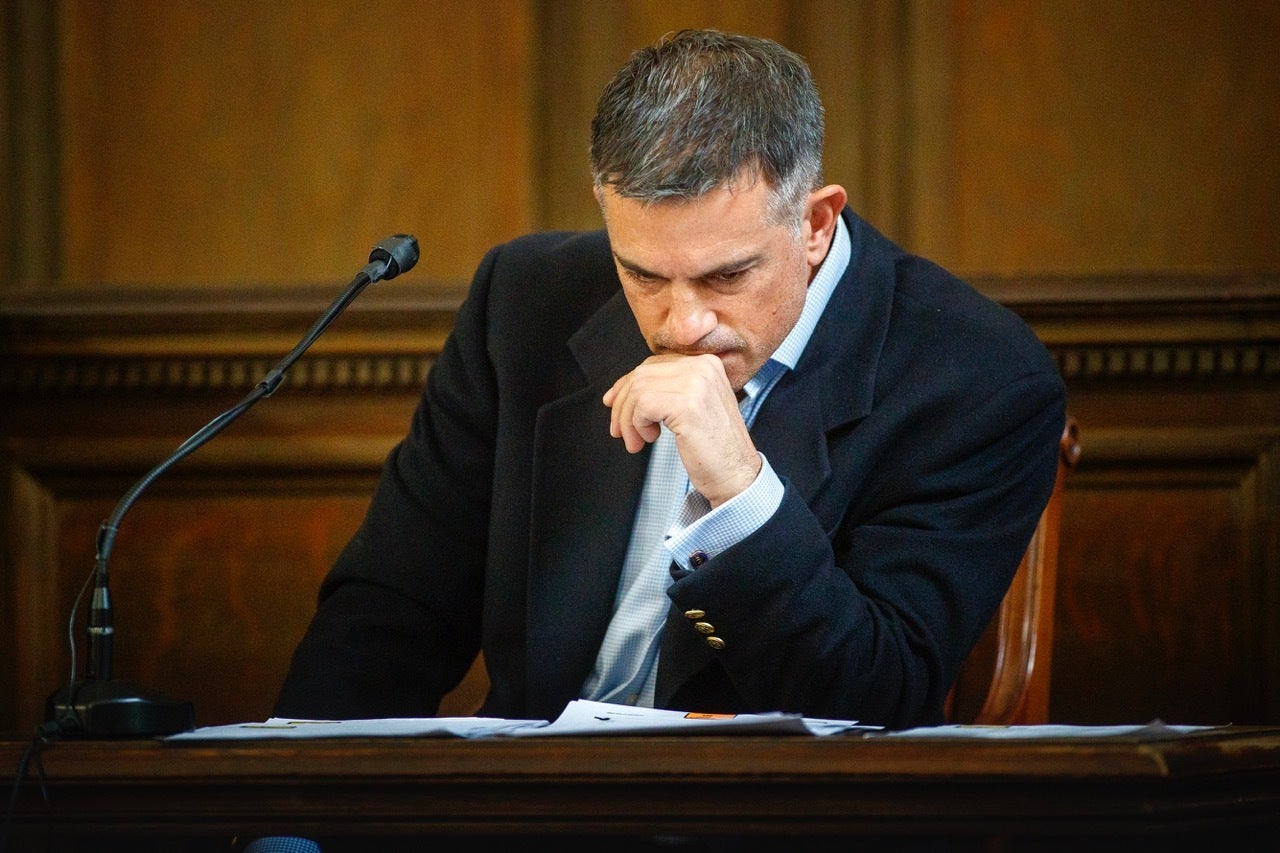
(641, 277)
(729, 276)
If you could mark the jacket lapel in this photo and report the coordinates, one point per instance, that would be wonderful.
(586, 487)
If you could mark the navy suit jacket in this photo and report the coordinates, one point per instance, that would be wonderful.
(916, 438)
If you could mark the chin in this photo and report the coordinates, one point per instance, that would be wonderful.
(737, 381)
(738, 371)
(733, 372)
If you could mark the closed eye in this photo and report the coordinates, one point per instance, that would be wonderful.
(640, 277)
(729, 280)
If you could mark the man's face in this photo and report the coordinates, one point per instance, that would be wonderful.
(711, 274)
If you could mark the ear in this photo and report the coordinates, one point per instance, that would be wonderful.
(821, 212)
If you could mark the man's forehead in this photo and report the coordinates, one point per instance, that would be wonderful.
(746, 183)
(718, 209)
(744, 179)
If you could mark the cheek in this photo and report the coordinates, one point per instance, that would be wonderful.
(782, 313)
(791, 290)
(649, 317)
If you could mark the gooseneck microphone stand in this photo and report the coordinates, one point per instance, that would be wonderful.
(100, 706)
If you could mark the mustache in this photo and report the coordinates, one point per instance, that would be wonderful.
(716, 342)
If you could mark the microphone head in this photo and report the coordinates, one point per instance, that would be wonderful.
(399, 253)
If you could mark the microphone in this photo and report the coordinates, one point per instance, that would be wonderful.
(100, 706)
(392, 256)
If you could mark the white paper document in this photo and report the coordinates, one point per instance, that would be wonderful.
(581, 717)
(584, 717)
(279, 727)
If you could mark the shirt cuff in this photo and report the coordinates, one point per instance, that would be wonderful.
(700, 533)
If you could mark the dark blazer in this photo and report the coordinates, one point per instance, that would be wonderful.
(916, 438)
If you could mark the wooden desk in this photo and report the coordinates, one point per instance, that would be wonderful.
(1208, 783)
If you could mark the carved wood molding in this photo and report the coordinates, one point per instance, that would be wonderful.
(52, 375)
(1151, 327)
(1192, 361)
(195, 341)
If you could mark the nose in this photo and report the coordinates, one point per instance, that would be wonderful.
(689, 318)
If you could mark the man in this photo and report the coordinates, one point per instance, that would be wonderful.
(737, 452)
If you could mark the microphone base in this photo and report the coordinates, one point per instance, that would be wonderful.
(96, 708)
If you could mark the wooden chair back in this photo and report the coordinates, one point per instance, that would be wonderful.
(1020, 638)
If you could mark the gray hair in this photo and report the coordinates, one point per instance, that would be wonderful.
(701, 109)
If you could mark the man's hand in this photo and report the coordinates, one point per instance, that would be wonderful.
(692, 396)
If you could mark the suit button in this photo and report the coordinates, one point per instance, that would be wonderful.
(697, 558)
(694, 614)
(704, 627)
(715, 643)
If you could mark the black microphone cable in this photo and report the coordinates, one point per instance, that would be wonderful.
(45, 736)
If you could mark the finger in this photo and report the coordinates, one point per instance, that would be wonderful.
(646, 432)
(613, 399)
(612, 393)
(621, 399)
(626, 411)
(646, 414)
(636, 424)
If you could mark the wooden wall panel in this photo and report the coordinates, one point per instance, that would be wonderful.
(1169, 583)
(28, 164)
(1111, 137)
(29, 593)
(272, 143)
(213, 589)
(860, 54)
(1156, 583)
(230, 143)
(216, 567)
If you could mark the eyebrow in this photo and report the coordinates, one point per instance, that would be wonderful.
(723, 269)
